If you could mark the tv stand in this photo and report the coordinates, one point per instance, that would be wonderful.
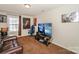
(42, 38)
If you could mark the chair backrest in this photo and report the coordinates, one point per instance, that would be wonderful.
(32, 29)
(8, 43)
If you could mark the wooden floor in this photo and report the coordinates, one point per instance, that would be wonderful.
(32, 46)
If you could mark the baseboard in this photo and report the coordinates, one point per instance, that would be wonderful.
(73, 49)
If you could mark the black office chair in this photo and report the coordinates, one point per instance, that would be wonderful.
(32, 30)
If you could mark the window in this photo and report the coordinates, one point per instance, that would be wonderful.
(13, 23)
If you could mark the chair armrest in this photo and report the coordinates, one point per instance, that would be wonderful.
(10, 38)
(16, 50)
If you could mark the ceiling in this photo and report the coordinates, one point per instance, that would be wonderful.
(35, 9)
(19, 9)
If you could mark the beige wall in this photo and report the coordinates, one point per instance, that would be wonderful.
(65, 34)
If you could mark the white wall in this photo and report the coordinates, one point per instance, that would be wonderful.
(65, 34)
(25, 31)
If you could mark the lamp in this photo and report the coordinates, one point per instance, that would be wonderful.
(27, 5)
(3, 29)
(3, 25)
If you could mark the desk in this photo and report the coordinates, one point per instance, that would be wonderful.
(42, 38)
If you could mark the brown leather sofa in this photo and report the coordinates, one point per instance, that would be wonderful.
(9, 45)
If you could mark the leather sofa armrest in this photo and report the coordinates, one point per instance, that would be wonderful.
(10, 38)
(16, 50)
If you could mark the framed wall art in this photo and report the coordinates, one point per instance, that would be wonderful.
(26, 23)
(35, 21)
(3, 18)
(70, 17)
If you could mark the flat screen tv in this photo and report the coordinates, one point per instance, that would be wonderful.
(45, 29)
(41, 28)
(48, 29)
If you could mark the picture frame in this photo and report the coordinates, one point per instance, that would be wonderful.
(3, 18)
(35, 21)
(70, 17)
(26, 23)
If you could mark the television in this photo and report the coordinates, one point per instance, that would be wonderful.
(45, 29)
(48, 29)
(41, 28)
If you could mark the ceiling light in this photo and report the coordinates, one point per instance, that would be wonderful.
(27, 5)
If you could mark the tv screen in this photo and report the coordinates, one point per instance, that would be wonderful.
(48, 29)
(41, 28)
(45, 29)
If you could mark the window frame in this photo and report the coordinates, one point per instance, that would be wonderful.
(13, 25)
